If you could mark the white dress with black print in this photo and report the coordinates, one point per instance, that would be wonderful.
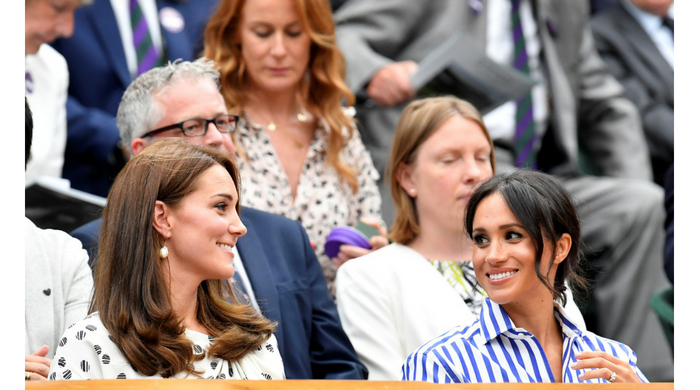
(87, 351)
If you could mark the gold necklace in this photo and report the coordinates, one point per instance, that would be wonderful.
(301, 117)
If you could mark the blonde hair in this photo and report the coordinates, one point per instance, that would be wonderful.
(323, 90)
(418, 121)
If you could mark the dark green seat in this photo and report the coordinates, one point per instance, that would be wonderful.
(662, 303)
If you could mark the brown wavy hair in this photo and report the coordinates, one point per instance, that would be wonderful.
(418, 121)
(132, 292)
(323, 90)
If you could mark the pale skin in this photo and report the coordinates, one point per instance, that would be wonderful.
(502, 245)
(276, 49)
(391, 85)
(38, 364)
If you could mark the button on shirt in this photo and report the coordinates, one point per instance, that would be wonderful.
(493, 349)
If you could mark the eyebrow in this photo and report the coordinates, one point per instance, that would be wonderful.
(502, 227)
(227, 196)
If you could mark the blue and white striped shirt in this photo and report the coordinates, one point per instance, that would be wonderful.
(493, 349)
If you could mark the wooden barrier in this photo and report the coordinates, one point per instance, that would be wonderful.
(189, 384)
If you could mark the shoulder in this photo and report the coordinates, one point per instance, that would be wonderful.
(392, 256)
(59, 244)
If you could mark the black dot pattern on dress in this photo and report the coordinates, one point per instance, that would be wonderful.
(85, 366)
(198, 350)
(121, 375)
(80, 334)
(61, 361)
(67, 374)
(270, 347)
(230, 371)
(98, 350)
(91, 328)
(105, 359)
(266, 376)
(213, 364)
(63, 342)
(52, 377)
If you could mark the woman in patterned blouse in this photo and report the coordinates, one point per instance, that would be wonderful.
(162, 306)
(298, 149)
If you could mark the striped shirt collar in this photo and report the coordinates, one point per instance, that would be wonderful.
(495, 321)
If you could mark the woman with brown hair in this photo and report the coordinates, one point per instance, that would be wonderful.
(298, 149)
(162, 305)
(393, 300)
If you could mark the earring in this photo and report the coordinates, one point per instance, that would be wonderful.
(412, 191)
(164, 251)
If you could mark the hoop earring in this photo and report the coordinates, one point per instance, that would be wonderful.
(164, 251)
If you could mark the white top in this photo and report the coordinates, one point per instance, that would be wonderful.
(57, 285)
(323, 200)
(46, 89)
(86, 351)
(653, 25)
(393, 300)
(500, 48)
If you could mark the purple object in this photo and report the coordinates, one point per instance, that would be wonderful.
(345, 235)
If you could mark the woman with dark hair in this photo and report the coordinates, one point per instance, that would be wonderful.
(298, 148)
(395, 299)
(162, 306)
(526, 249)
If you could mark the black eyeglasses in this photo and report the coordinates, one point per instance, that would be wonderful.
(197, 127)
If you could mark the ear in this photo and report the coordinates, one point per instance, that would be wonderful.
(161, 221)
(563, 248)
(404, 175)
(137, 145)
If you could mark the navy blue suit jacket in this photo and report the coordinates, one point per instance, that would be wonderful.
(291, 290)
(98, 77)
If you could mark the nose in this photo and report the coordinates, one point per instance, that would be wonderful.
(278, 48)
(472, 172)
(236, 227)
(213, 137)
(496, 254)
(65, 25)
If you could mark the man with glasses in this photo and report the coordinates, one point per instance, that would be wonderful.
(279, 271)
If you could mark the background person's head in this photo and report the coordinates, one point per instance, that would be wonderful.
(47, 20)
(169, 95)
(545, 221)
(277, 45)
(441, 151)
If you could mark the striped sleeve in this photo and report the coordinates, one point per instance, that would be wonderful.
(427, 367)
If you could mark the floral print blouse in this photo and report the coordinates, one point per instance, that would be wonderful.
(323, 200)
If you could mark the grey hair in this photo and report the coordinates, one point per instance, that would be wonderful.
(137, 113)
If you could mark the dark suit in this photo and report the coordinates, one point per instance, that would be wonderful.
(98, 77)
(668, 247)
(634, 59)
(291, 290)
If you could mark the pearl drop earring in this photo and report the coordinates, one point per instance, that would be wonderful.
(412, 191)
(164, 251)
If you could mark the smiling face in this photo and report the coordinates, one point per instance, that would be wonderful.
(186, 99)
(47, 20)
(204, 227)
(274, 46)
(504, 255)
(449, 165)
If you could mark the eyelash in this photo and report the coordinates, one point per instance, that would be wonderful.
(288, 33)
(221, 206)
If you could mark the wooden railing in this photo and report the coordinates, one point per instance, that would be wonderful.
(185, 384)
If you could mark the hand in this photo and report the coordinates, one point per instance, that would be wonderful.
(605, 364)
(37, 364)
(391, 85)
(347, 252)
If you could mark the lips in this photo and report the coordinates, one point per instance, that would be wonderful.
(501, 275)
(228, 248)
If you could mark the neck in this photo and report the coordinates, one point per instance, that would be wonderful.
(437, 244)
(275, 106)
(183, 299)
(536, 315)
